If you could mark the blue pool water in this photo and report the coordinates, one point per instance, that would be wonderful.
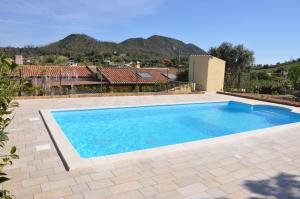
(98, 132)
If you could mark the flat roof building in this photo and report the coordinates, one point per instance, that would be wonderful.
(207, 72)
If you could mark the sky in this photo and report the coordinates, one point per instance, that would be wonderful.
(270, 28)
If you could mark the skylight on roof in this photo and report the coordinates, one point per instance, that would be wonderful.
(144, 75)
(169, 75)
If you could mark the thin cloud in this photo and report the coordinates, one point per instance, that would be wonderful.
(76, 13)
(31, 24)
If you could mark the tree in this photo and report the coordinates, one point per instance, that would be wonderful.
(7, 89)
(237, 59)
(294, 76)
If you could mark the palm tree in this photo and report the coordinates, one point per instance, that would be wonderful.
(237, 59)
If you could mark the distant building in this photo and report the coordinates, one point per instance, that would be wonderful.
(138, 64)
(111, 79)
(19, 59)
(72, 63)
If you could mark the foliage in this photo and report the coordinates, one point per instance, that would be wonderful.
(294, 76)
(183, 76)
(51, 59)
(7, 90)
(260, 76)
(237, 59)
(278, 68)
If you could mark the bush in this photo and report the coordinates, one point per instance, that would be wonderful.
(8, 88)
(183, 76)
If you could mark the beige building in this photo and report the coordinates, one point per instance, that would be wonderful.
(207, 72)
(19, 59)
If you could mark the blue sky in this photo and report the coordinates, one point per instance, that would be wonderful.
(271, 28)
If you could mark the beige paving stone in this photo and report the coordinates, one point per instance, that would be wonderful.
(147, 174)
(192, 189)
(231, 187)
(202, 195)
(34, 181)
(127, 195)
(26, 191)
(163, 178)
(83, 179)
(125, 177)
(181, 182)
(125, 187)
(147, 182)
(216, 192)
(57, 184)
(169, 194)
(101, 175)
(100, 184)
(165, 187)
(97, 194)
(41, 173)
(148, 191)
(74, 196)
(79, 188)
(56, 193)
(218, 171)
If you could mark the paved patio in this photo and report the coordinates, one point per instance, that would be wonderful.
(263, 166)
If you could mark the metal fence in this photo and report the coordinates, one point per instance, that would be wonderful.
(268, 84)
(45, 88)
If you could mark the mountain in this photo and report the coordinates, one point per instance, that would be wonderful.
(78, 45)
(163, 46)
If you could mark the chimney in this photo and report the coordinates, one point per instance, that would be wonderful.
(138, 64)
(19, 59)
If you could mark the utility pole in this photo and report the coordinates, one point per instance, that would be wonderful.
(167, 80)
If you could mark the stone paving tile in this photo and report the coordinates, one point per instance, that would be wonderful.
(165, 186)
(202, 195)
(208, 171)
(127, 195)
(100, 184)
(169, 194)
(57, 184)
(78, 188)
(74, 196)
(192, 189)
(27, 191)
(56, 193)
(148, 191)
(125, 187)
(34, 181)
(97, 194)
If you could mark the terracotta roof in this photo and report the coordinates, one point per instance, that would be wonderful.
(52, 71)
(131, 75)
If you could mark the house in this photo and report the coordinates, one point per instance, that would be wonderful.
(129, 79)
(55, 79)
(77, 79)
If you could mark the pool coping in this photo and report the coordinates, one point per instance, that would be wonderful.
(72, 160)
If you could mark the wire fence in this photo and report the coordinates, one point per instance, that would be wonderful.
(275, 84)
(47, 87)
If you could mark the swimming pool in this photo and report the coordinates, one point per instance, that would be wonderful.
(101, 132)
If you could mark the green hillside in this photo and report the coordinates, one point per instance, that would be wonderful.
(163, 46)
(83, 47)
(278, 67)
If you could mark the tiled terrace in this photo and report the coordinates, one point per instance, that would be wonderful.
(241, 167)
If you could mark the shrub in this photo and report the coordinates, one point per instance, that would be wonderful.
(8, 88)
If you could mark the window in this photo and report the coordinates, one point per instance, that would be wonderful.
(144, 75)
(169, 75)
